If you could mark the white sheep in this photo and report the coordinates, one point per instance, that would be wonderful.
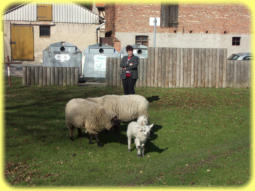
(125, 107)
(83, 114)
(140, 133)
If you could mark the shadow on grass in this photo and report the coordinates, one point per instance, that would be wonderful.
(119, 136)
(152, 98)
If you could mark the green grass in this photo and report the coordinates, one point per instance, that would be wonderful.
(201, 138)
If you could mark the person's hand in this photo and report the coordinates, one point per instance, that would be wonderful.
(131, 64)
(124, 68)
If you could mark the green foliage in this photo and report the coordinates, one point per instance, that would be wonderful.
(201, 138)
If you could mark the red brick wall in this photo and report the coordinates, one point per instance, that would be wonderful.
(196, 18)
(109, 17)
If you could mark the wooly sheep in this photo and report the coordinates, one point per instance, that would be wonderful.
(140, 133)
(83, 114)
(125, 107)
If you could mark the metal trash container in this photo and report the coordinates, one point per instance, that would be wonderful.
(138, 50)
(94, 64)
(62, 54)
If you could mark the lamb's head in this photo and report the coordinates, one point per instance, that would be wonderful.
(142, 120)
(145, 130)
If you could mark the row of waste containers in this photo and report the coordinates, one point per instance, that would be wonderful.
(92, 61)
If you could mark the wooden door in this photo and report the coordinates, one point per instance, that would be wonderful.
(22, 42)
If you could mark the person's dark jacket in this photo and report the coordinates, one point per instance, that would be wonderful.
(125, 63)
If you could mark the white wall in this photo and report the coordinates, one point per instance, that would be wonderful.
(81, 35)
(180, 40)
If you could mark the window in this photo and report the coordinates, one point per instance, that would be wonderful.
(141, 40)
(236, 41)
(44, 30)
(44, 12)
(169, 15)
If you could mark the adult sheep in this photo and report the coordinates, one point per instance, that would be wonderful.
(124, 107)
(90, 116)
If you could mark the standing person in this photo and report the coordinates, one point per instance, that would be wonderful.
(129, 73)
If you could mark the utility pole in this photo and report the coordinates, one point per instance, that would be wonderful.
(154, 32)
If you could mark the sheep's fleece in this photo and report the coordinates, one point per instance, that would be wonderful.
(125, 107)
(81, 113)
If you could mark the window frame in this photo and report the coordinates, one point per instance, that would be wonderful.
(236, 41)
(48, 33)
(146, 40)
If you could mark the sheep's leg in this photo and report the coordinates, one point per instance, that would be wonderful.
(90, 139)
(143, 151)
(129, 143)
(138, 150)
(79, 132)
(71, 129)
(138, 147)
(98, 141)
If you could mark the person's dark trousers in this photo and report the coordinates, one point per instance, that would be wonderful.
(129, 85)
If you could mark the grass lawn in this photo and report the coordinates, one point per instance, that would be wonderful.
(201, 138)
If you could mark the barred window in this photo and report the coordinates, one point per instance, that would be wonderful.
(169, 15)
(44, 30)
(141, 40)
(236, 41)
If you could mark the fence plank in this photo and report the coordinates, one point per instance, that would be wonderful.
(40, 76)
(48, 76)
(118, 72)
(64, 76)
(155, 83)
(203, 67)
(170, 68)
(174, 73)
(189, 66)
(166, 68)
(152, 67)
(192, 80)
(76, 75)
(52, 76)
(44, 76)
(36, 75)
(185, 67)
(28, 76)
(24, 79)
(32, 70)
(214, 65)
(68, 76)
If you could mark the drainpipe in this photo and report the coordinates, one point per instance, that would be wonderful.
(97, 29)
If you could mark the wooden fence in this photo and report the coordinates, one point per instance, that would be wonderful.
(184, 67)
(46, 76)
(238, 74)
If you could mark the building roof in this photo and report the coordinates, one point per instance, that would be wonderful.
(65, 13)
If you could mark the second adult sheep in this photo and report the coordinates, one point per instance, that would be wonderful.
(125, 107)
(87, 115)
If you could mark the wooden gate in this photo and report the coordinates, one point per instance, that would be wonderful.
(22, 42)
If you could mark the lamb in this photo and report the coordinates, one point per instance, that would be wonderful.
(142, 120)
(83, 114)
(125, 107)
(140, 133)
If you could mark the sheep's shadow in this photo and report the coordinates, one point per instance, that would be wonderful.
(152, 98)
(119, 136)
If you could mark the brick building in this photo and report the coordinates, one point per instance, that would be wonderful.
(183, 25)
